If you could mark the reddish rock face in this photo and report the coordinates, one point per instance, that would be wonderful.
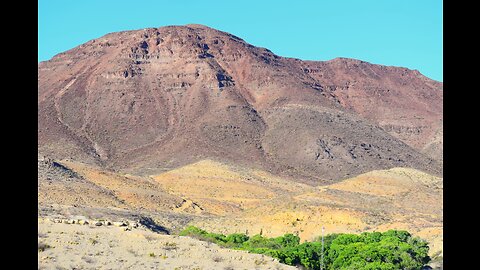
(146, 100)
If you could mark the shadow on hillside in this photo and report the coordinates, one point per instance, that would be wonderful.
(151, 225)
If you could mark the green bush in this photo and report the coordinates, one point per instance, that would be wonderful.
(236, 238)
(370, 250)
(389, 250)
(203, 235)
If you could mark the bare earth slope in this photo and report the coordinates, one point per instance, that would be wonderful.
(74, 246)
(150, 100)
(251, 200)
(226, 198)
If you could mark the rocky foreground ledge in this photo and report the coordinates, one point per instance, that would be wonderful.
(125, 224)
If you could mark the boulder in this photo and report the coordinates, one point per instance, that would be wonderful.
(69, 221)
(119, 224)
(83, 222)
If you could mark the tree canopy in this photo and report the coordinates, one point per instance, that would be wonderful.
(388, 250)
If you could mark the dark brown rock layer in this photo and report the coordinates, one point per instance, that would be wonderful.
(157, 98)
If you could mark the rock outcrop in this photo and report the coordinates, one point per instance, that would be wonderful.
(148, 100)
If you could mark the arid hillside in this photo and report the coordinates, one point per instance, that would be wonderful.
(227, 198)
(147, 101)
(76, 246)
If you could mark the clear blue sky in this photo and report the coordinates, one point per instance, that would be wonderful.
(407, 33)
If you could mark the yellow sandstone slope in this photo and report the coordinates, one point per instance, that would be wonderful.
(228, 199)
(251, 201)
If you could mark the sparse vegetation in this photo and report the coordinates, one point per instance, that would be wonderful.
(170, 245)
(92, 241)
(149, 238)
(217, 259)
(370, 250)
(260, 261)
(42, 246)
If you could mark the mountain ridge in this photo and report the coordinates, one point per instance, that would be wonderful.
(157, 97)
(195, 25)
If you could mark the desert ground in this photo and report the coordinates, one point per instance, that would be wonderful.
(223, 198)
(75, 246)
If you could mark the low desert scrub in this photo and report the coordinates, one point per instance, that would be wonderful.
(149, 238)
(42, 247)
(170, 245)
(217, 259)
(93, 241)
(260, 261)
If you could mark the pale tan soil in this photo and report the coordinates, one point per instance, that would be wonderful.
(74, 246)
(135, 192)
(227, 199)
(399, 198)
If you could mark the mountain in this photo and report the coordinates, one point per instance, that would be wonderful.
(150, 100)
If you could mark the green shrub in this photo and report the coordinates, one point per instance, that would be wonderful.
(236, 238)
(195, 232)
(389, 250)
(192, 231)
(370, 250)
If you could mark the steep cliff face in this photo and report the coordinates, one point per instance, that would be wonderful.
(403, 102)
(163, 97)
